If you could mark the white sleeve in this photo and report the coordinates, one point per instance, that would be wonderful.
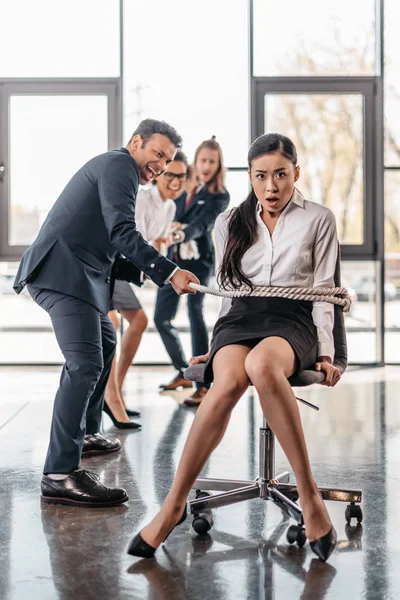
(140, 213)
(324, 261)
(220, 238)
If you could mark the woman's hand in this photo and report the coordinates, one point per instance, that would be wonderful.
(157, 243)
(203, 358)
(332, 373)
(175, 225)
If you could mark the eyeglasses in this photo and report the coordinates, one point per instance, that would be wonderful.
(171, 176)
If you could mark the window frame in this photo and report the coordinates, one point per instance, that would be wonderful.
(52, 87)
(370, 89)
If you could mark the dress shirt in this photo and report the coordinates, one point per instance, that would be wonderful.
(153, 215)
(301, 252)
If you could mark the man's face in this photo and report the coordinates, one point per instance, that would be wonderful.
(172, 182)
(153, 156)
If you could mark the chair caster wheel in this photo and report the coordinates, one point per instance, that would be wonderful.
(296, 534)
(353, 511)
(203, 521)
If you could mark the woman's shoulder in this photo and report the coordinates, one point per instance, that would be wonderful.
(222, 221)
(319, 210)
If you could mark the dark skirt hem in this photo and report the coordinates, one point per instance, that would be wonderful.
(251, 320)
(306, 362)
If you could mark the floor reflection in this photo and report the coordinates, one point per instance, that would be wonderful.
(205, 567)
(61, 553)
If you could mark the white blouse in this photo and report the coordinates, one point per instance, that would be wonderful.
(301, 252)
(153, 215)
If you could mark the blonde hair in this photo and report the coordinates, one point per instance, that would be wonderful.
(217, 183)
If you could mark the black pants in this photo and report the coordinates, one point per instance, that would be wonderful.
(166, 308)
(87, 340)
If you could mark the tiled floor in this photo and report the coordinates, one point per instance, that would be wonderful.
(56, 552)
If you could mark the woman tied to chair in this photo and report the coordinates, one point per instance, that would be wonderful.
(274, 238)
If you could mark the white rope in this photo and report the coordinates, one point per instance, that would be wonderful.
(337, 295)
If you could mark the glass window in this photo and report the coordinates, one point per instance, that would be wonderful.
(60, 39)
(51, 136)
(194, 76)
(314, 38)
(327, 130)
(359, 277)
(237, 184)
(26, 334)
(392, 265)
(392, 84)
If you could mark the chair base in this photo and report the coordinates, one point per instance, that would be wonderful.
(267, 486)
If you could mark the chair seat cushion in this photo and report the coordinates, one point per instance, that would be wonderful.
(301, 379)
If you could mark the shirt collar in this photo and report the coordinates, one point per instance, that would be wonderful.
(156, 194)
(297, 198)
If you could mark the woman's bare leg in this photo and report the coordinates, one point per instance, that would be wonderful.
(269, 365)
(208, 428)
(112, 396)
(130, 343)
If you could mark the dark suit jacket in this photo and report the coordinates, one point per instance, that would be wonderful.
(200, 219)
(78, 249)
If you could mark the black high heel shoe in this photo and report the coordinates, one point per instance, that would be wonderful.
(132, 413)
(138, 547)
(324, 546)
(120, 424)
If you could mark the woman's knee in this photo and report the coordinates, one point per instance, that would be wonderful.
(143, 320)
(263, 371)
(137, 319)
(231, 385)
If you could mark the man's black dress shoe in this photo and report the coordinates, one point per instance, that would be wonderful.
(324, 546)
(81, 488)
(97, 444)
(138, 547)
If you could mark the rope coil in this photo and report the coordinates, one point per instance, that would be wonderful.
(337, 295)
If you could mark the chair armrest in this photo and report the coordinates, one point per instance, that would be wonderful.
(195, 372)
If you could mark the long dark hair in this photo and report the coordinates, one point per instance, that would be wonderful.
(242, 227)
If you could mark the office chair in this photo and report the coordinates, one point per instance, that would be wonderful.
(268, 485)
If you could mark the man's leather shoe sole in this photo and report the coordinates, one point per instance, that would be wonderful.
(89, 453)
(70, 502)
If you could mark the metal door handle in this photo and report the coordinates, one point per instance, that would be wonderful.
(2, 170)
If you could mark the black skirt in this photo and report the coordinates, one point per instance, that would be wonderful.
(252, 319)
(124, 298)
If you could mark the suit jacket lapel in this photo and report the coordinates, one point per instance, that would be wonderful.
(198, 197)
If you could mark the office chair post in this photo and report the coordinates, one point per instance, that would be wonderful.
(267, 453)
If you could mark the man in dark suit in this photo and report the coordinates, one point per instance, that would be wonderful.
(88, 240)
